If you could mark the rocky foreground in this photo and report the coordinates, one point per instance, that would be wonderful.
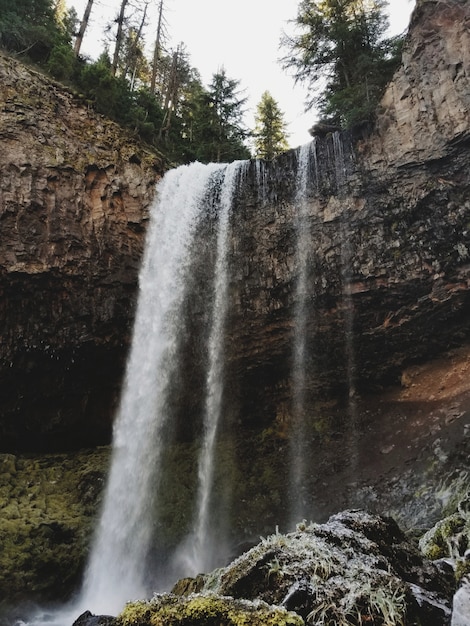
(354, 569)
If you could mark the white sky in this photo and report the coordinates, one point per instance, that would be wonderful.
(242, 36)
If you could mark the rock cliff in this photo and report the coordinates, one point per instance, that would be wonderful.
(74, 192)
(388, 218)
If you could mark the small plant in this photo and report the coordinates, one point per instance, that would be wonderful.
(274, 569)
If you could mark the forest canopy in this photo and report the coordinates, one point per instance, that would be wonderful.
(339, 50)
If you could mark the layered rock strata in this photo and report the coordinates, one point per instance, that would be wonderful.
(74, 193)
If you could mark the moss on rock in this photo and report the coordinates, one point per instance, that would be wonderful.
(450, 539)
(204, 610)
(47, 508)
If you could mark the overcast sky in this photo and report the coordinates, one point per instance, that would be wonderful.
(240, 35)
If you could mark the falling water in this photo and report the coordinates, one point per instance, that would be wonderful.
(116, 571)
(196, 553)
(302, 296)
(346, 260)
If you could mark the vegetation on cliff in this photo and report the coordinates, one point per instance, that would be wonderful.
(47, 509)
(340, 51)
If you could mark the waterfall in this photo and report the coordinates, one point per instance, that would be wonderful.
(347, 304)
(303, 297)
(196, 553)
(116, 571)
(197, 200)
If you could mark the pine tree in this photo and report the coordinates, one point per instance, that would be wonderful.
(221, 131)
(270, 129)
(83, 26)
(29, 27)
(340, 52)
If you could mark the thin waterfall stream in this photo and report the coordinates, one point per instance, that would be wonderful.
(349, 348)
(196, 553)
(298, 438)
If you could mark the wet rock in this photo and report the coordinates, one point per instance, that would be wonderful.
(88, 619)
(354, 564)
(461, 604)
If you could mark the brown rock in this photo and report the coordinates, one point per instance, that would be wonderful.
(74, 194)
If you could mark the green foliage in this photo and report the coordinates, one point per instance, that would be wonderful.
(180, 116)
(31, 27)
(61, 62)
(270, 129)
(220, 133)
(341, 51)
(110, 94)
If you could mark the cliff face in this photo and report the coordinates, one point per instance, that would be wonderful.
(389, 240)
(424, 112)
(388, 261)
(74, 189)
(387, 218)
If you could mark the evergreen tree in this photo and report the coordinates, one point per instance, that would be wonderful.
(29, 27)
(220, 130)
(341, 49)
(270, 129)
(82, 28)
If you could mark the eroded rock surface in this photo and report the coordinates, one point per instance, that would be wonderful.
(74, 193)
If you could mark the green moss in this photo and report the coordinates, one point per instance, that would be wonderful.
(462, 568)
(204, 610)
(47, 509)
(438, 542)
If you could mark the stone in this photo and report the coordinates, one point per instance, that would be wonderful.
(461, 605)
(74, 195)
(204, 609)
(355, 564)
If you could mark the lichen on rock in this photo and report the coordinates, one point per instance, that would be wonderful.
(354, 569)
(204, 610)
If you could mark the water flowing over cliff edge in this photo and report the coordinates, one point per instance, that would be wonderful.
(388, 269)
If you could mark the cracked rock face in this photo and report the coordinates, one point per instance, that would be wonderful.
(74, 192)
(425, 108)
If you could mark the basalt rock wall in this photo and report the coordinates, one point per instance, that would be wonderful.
(74, 193)
(388, 266)
(389, 224)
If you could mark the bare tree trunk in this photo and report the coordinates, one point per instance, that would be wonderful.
(82, 29)
(132, 58)
(119, 36)
(171, 95)
(156, 51)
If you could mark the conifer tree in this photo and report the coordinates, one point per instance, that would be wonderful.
(340, 51)
(29, 27)
(83, 26)
(270, 129)
(220, 130)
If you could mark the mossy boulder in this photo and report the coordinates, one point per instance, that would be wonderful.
(356, 568)
(449, 539)
(205, 610)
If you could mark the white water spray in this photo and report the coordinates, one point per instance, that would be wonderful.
(196, 553)
(116, 572)
(298, 440)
